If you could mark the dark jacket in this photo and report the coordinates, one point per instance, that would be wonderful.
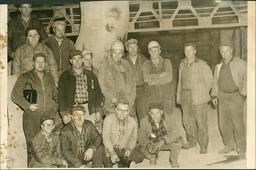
(17, 32)
(46, 154)
(67, 87)
(69, 141)
(61, 53)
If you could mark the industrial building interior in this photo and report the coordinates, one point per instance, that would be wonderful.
(170, 22)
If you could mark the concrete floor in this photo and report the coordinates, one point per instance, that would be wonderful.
(187, 158)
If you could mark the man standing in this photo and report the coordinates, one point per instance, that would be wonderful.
(229, 90)
(80, 141)
(17, 28)
(116, 79)
(60, 45)
(120, 137)
(23, 57)
(193, 93)
(42, 82)
(157, 74)
(136, 61)
(46, 146)
(78, 86)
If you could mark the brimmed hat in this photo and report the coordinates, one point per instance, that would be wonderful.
(131, 41)
(59, 23)
(153, 44)
(46, 117)
(226, 44)
(74, 53)
(78, 108)
(192, 44)
(156, 105)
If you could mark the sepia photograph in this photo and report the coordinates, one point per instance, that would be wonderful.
(128, 84)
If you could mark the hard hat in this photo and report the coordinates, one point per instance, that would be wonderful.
(153, 44)
(118, 45)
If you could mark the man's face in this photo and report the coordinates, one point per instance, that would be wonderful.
(190, 52)
(117, 54)
(25, 10)
(59, 31)
(132, 49)
(122, 111)
(76, 61)
(33, 37)
(47, 126)
(78, 117)
(87, 60)
(226, 52)
(39, 64)
(154, 53)
(156, 115)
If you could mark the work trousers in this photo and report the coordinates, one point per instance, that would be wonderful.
(194, 120)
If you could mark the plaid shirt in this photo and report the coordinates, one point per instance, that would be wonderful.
(81, 94)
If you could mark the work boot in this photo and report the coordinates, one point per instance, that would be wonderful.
(226, 150)
(188, 145)
(203, 150)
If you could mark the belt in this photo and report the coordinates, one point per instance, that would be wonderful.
(77, 103)
(230, 91)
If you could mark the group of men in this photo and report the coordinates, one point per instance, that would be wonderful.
(121, 113)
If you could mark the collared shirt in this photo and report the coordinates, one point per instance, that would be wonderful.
(226, 81)
(81, 94)
(24, 23)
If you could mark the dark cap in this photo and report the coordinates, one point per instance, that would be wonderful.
(74, 53)
(225, 44)
(78, 108)
(46, 117)
(156, 105)
(193, 44)
(39, 54)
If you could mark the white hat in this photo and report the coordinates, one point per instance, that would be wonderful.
(85, 51)
(153, 44)
(117, 45)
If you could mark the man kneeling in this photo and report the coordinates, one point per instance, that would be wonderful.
(120, 137)
(80, 141)
(155, 134)
(46, 146)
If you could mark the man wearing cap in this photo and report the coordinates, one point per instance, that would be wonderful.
(17, 28)
(193, 93)
(80, 141)
(157, 132)
(157, 74)
(46, 146)
(22, 60)
(46, 92)
(78, 86)
(120, 137)
(136, 61)
(60, 45)
(88, 62)
(116, 79)
(229, 91)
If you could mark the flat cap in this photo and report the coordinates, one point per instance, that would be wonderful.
(153, 44)
(59, 23)
(226, 44)
(192, 44)
(74, 53)
(46, 117)
(39, 54)
(131, 41)
(156, 105)
(78, 108)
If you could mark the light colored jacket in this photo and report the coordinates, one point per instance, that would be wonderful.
(116, 80)
(239, 75)
(110, 133)
(201, 82)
